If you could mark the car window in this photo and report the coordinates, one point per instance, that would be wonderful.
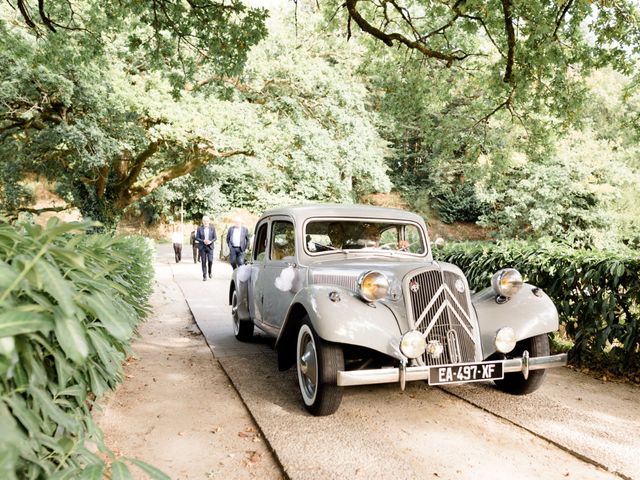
(260, 247)
(282, 240)
(328, 235)
(413, 239)
(389, 236)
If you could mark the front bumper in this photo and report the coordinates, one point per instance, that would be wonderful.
(402, 374)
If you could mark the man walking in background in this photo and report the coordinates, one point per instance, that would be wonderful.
(237, 240)
(206, 236)
(176, 239)
(194, 245)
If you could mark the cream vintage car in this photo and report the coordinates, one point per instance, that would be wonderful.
(353, 296)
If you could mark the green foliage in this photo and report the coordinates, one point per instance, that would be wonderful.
(106, 109)
(597, 293)
(109, 128)
(458, 203)
(567, 198)
(303, 112)
(553, 152)
(175, 37)
(69, 305)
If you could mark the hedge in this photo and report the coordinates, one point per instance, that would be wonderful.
(597, 293)
(69, 306)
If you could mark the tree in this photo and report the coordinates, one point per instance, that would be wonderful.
(468, 102)
(303, 111)
(173, 35)
(97, 95)
(529, 47)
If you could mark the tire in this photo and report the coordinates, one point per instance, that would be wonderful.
(318, 363)
(242, 329)
(515, 383)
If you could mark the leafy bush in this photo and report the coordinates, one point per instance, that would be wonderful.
(597, 294)
(569, 196)
(459, 203)
(69, 305)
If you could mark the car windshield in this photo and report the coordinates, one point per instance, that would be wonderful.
(340, 234)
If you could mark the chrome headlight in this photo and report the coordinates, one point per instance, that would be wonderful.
(373, 286)
(507, 282)
(505, 340)
(413, 344)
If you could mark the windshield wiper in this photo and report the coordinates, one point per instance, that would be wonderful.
(334, 249)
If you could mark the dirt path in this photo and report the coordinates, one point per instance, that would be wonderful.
(176, 408)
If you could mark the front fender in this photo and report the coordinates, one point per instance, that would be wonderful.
(526, 313)
(348, 320)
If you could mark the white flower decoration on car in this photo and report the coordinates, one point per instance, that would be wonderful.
(284, 282)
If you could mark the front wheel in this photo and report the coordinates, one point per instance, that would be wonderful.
(515, 383)
(242, 329)
(318, 363)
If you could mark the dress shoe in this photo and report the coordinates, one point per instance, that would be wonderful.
(204, 279)
(209, 275)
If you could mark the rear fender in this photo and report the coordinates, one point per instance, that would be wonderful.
(240, 283)
(529, 315)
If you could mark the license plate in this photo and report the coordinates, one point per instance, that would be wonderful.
(466, 372)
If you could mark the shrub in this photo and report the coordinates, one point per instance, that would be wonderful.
(69, 305)
(597, 294)
(459, 203)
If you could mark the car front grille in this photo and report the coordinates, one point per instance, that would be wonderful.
(438, 310)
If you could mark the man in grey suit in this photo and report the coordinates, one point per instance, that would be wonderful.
(206, 236)
(237, 240)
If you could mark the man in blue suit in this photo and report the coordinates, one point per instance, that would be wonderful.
(206, 236)
(237, 240)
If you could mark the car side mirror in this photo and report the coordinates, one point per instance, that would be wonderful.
(439, 242)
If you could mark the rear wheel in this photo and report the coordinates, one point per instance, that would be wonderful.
(242, 329)
(515, 383)
(318, 363)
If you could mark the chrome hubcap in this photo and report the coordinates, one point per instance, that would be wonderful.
(308, 362)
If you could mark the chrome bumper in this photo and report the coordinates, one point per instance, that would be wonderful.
(391, 375)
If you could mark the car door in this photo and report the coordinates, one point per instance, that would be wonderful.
(280, 271)
(259, 257)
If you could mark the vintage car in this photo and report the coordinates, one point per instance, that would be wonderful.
(353, 296)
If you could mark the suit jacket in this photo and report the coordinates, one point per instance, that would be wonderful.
(244, 237)
(200, 237)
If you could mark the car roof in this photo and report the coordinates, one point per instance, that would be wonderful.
(302, 212)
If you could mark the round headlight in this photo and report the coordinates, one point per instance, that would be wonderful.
(507, 282)
(373, 286)
(505, 340)
(413, 344)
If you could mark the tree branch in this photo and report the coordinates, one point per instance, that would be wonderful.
(506, 104)
(138, 164)
(458, 12)
(192, 161)
(388, 39)
(43, 15)
(101, 184)
(38, 211)
(560, 18)
(507, 6)
(24, 11)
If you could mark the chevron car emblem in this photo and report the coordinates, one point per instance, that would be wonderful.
(414, 286)
(448, 301)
